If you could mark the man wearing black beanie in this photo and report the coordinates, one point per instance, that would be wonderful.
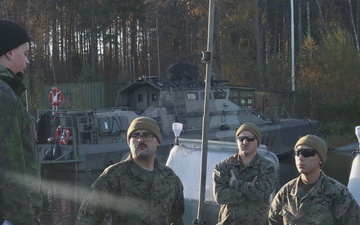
(19, 173)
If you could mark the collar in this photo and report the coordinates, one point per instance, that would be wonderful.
(15, 81)
(296, 191)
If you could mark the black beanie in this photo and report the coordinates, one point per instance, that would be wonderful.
(12, 35)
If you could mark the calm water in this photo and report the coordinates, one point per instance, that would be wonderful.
(63, 192)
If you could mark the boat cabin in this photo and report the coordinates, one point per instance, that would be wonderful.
(183, 101)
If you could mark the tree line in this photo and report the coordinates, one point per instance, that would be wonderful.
(120, 40)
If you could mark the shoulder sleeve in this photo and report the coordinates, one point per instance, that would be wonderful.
(177, 211)
(275, 216)
(346, 209)
(223, 193)
(265, 183)
(16, 200)
(98, 202)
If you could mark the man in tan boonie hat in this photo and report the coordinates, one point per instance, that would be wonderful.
(252, 128)
(144, 123)
(315, 143)
(135, 184)
(313, 197)
(244, 182)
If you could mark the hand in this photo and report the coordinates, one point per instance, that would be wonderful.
(232, 177)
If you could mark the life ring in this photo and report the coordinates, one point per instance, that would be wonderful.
(55, 96)
(62, 135)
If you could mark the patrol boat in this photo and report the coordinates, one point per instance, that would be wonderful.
(181, 100)
(82, 140)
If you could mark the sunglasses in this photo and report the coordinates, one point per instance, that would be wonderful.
(249, 139)
(306, 152)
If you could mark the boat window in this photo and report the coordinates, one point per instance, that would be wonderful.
(154, 97)
(167, 97)
(115, 125)
(220, 95)
(140, 97)
(124, 123)
(247, 102)
(192, 96)
(104, 126)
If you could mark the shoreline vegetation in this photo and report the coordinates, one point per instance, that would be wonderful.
(335, 140)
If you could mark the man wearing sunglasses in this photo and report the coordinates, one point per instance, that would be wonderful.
(138, 190)
(244, 182)
(313, 197)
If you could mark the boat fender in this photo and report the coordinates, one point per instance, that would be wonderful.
(354, 178)
(62, 135)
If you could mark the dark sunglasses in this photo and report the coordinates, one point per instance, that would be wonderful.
(306, 152)
(249, 139)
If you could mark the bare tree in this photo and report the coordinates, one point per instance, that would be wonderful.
(355, 33)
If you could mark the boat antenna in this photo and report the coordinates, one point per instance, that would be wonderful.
(206, 58)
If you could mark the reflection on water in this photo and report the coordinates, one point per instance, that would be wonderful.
(64, 191)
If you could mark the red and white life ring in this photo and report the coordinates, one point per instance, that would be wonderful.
(55, 96)
(62, 135)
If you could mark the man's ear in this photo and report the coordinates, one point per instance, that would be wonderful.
(9, 54)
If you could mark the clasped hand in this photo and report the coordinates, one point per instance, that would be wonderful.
(233, 178)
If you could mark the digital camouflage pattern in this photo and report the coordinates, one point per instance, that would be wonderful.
(327, 203)
(244, 202)
(129, 195)
(18, 168)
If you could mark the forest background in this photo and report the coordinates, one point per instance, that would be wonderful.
(117, 40)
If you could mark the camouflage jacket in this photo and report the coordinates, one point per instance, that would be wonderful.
(244, 202)
(18, 167)
(327, 203)
(129, 195)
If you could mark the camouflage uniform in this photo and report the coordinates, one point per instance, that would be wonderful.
(327, 203)
(18, 167)
(131, 195)
(244, 202)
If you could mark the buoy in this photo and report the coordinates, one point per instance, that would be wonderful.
(55, 97)
(62, 135)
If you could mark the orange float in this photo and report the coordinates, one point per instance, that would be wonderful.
(55, 97)
(62, 135)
